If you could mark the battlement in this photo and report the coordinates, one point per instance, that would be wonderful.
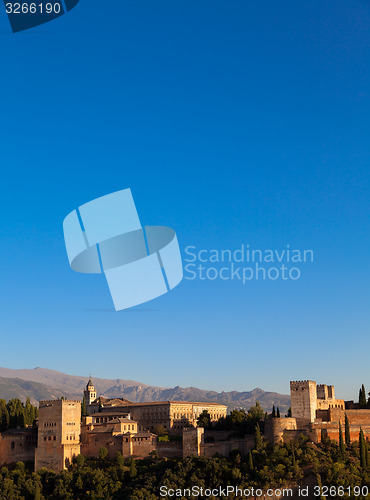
(325, 391)
(295, 383)
(56, 402)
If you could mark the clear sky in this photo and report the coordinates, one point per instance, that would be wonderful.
(243, 122)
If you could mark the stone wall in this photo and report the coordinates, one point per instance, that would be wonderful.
(275, 428)
(192, 440)
(224, 448)
(17, 445)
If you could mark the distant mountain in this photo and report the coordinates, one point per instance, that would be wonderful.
(41, 383)
(23, 389)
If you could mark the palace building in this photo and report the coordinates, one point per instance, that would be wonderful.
(172, 416)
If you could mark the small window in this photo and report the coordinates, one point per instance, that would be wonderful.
(55, 438)
(12, 446)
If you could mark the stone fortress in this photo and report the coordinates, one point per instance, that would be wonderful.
(122, 426)
(116, 424)
(317, 414)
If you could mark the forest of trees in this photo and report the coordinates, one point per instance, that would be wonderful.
(16, 414)
(329, 463)
(340, 464)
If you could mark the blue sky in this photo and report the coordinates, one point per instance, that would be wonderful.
(231, 122)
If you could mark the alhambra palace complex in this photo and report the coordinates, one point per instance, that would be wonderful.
(120, 425)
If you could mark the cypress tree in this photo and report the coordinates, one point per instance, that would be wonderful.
(133, 469)
(21, 420)
(273, 414)
(347, 433)
(362, 449)
(319, 484)
(342, 448)
(293, 457)
(83, 408)
(362, 397)
(5, 419)
(278, 413)
(323, 436)
(250, 461)
(258, 438)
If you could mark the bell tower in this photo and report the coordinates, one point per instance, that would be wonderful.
(89, 393)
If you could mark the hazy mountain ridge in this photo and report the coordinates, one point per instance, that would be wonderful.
(23, 389)
(41, 383)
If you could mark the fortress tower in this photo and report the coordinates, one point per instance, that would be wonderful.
(58, 434)
(89, 393)
(303, 396)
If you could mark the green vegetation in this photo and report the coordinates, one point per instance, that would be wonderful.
(16, 414)
(240, 422)
(84, 412)
(276, 467)
(362, 397)
(204, 420)
(347, 435)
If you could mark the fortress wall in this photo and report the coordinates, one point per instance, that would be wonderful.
(172, 449)
(244, 446)
(274, 428)
(17, 446)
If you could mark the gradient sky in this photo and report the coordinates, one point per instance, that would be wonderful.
(231, 122)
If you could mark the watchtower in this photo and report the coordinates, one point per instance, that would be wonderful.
(58, 434)
(303, 395)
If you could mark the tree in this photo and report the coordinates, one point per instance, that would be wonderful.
(21, 420)
(363, 449)
(273, 414)
(83, 408)
(342, 447)
(289, 412)
(258, 438)
(29, 412)
(103, 452)
(278, 413)
(347, 434)
(160, 430)
(250, 461)
(362, 397)
(120, 460)
(294, 462)
(319, 484)
(133, 469)
(204, 420)
(4, 415)
(100, 405)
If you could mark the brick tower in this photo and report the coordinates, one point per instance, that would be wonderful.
(58, 434)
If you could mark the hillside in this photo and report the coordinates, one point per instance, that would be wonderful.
(41, 383)
(23, 389)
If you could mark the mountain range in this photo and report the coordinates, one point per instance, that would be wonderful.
(41, 383)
